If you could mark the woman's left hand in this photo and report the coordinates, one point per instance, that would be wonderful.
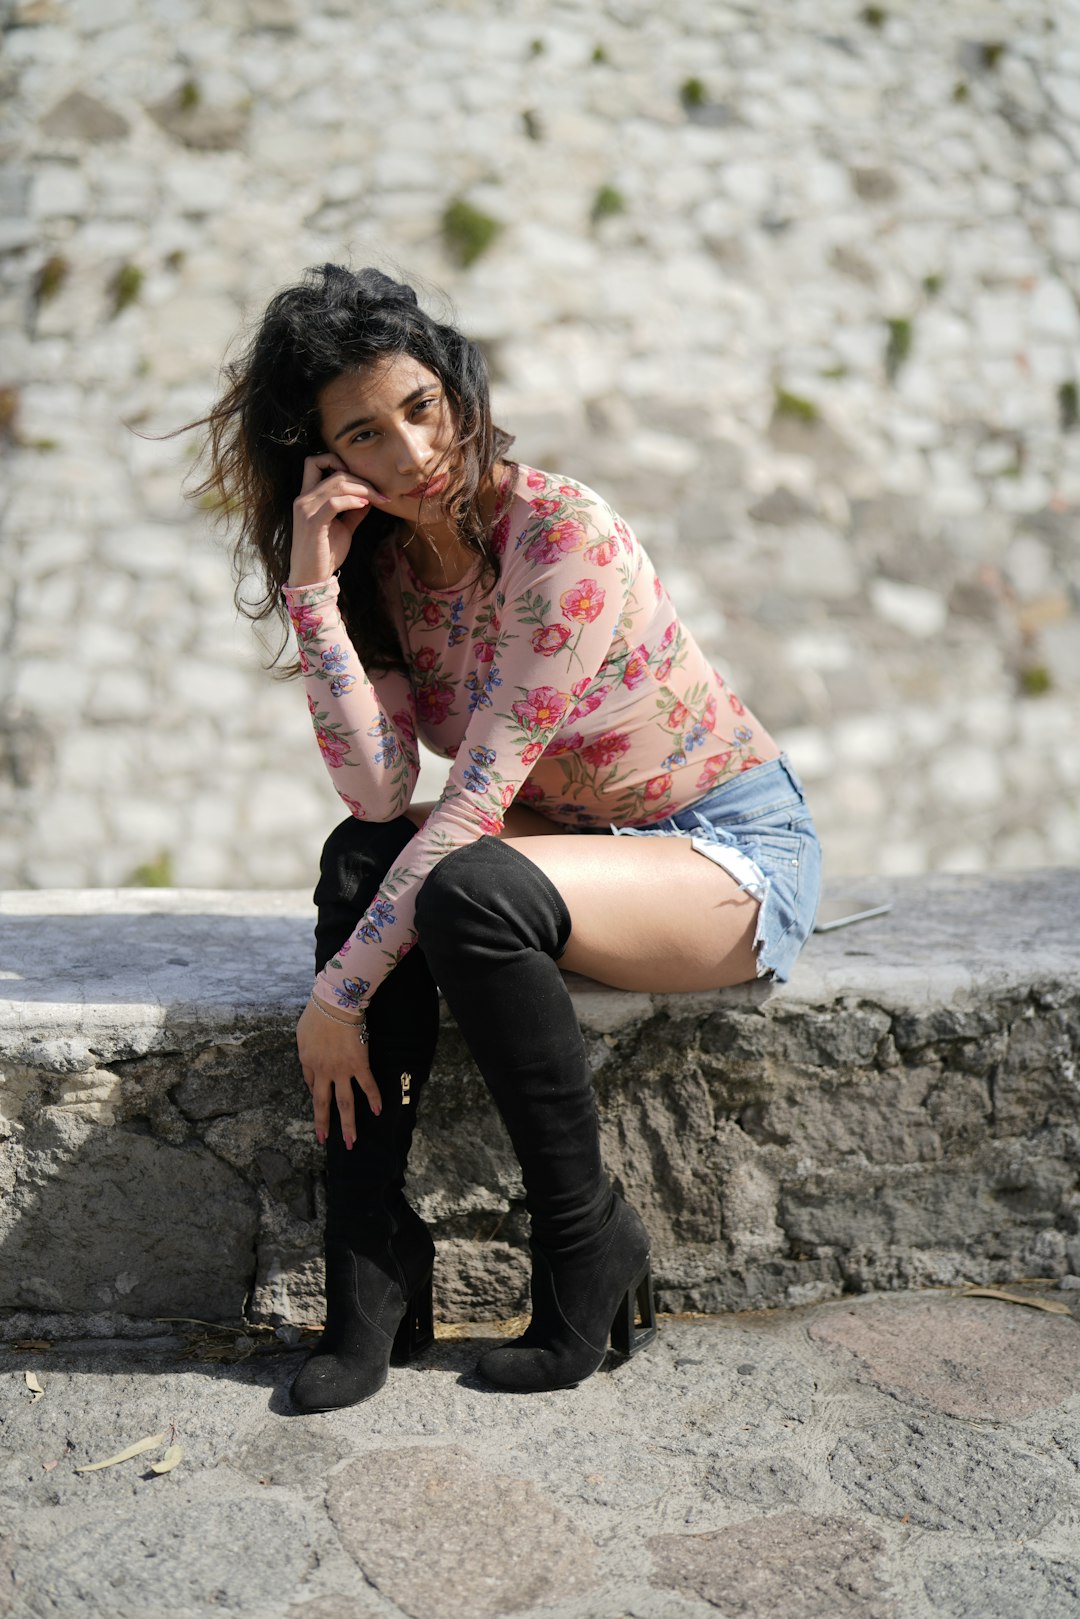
(332, 1055)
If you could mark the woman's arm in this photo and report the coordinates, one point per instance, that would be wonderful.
(365, 725)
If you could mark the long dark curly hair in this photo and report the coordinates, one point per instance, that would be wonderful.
(267, 420)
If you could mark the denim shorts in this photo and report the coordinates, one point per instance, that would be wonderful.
(758, 828)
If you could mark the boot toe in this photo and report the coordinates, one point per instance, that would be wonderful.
(328, 1382)
(534, 1371)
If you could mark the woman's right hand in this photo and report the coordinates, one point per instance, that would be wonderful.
(330, 507)
(331, 1058)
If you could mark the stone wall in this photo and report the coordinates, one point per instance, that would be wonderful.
(794, 284)
(902, 1113)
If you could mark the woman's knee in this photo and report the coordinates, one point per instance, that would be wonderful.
(456, 882)
(462, 894)
(357, 850)
(486, 895)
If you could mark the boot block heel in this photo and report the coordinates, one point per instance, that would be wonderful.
(417, 1330)
(635, 1325)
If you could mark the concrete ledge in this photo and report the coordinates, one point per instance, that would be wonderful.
(903, 1113)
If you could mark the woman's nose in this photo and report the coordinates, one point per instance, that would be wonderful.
(413, 452)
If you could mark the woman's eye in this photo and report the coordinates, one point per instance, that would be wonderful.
(422, 403)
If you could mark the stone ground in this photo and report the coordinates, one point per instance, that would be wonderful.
(886, 1457)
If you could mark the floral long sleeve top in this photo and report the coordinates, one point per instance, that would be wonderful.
(571, 685)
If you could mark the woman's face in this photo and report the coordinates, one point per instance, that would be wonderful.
(393, 426)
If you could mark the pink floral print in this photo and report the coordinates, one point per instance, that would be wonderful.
(602, 553)
(549, 639)
(553, 543)
(607, 748)
(583, 601)
(541, 707)
(569, 685)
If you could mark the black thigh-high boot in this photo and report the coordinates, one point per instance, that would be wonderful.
(492, 926)
(379, 1253)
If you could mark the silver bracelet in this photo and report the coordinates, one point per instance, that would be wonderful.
(343, 1023)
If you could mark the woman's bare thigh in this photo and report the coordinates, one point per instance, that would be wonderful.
(648, 913)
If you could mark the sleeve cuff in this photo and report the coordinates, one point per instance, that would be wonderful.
(313, 595)
(351, 995)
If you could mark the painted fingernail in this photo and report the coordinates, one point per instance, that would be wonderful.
(350, 1142)
(320, 1137)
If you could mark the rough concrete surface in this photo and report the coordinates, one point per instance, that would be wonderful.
(792, 1464)
(903, 1113)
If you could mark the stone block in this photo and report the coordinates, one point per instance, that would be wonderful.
(790, 1563)
(1051, 312)
(443, 1538)
(813, 558)
(250, 1550)
(74, 1198)
(981, 1204)
(917, 611)
(998, 1583)
(58, 190)
(81, 117)
(941, 1475)
(120, 695)
(202, 125)
(945, 1354)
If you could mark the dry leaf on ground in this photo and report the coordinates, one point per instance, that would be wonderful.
(36, 1390)
(140, 1445)
(173, 1455)
(1054, 1306)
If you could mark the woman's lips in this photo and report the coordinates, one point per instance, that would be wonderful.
(434, 486)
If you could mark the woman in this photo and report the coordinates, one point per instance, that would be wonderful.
(509, 617)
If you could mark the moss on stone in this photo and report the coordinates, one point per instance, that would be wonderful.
(467, 232)
(789, 404)
(9, 410)
(898, 346)
(1035, 680)
(51, 277)
(157, 873)
(125, 286)
(608, 202)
